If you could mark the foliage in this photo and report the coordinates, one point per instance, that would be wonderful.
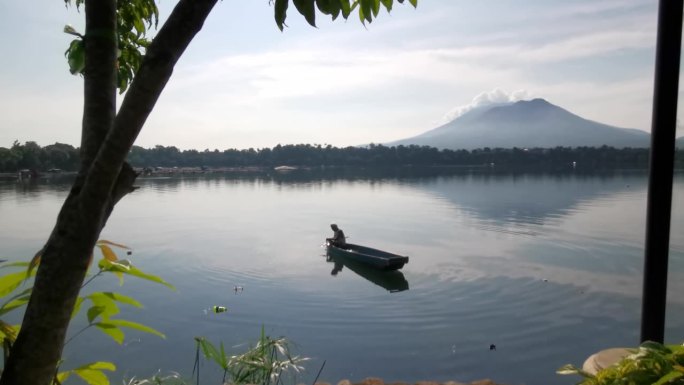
(367, 9)
(263, 364)
(32, 156)
(134, 19)
(157, 379)
(92, 373)
(104, 306)
(651, 363)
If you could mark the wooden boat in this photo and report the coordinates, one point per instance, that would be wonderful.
(373, 257)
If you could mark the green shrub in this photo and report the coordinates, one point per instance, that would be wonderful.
(651, 363)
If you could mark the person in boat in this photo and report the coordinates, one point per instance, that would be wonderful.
(338, 238)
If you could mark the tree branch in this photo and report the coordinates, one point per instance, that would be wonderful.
(99, 84)
(167, 47)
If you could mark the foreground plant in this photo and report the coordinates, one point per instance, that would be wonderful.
(651, 363)
(170, 379)
(264, 364)
(101, 314)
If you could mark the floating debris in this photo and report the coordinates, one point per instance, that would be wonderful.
(492, 347)
(238, 289)
(219, 309)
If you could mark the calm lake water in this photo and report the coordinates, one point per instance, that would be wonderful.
(547, 267)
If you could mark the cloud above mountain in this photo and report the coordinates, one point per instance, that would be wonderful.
(495, 96)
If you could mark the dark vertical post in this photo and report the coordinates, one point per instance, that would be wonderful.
(659, 205)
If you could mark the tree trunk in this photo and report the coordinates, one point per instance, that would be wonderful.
(34, 356)
(103, 180)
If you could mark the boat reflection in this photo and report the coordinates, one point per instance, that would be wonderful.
(392, 281)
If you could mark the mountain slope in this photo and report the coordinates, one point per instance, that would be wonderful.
(533, 123)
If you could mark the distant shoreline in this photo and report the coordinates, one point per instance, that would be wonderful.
(349, 171)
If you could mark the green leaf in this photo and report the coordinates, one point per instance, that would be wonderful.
(123, 83)
(414, 3)
(346, 8)
(92, 377)
(94, 312)
(134, 271)
(365, 11)
(669, 377)
(117, 266)
(35, 261)
(77, 306)
(139, 26)
(209, 350)
(8, 331)
(119, 275)
(281, 12)
(376, 7)
(223, 356)
(107, 303)
(111, 330)
(124, 266)
(307, 9)
(76, 56)
(324, 6)
(335, 8)
(135, 326)
(63, 376)
(16, 301)
(387, 4)
(11, 281)
(99, 365)
(122, 299)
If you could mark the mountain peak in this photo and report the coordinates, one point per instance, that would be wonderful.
(526, 123)
(537, 101)
(534, 103)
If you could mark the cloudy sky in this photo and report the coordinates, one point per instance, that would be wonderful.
(243, 83)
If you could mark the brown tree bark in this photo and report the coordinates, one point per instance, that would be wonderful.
(103, 180)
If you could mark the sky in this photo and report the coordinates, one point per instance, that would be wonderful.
(243, 83)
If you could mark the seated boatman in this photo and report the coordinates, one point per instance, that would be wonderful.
(338, 238)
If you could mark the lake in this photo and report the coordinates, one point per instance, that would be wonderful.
(547, 267)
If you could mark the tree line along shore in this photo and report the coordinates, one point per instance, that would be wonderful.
(60, 157)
